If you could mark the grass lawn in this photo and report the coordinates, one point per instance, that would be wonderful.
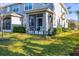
(25, 44)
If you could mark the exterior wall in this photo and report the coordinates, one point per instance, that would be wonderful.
(22, 10)
(41, 5)
(21, 7)
(58, 12)
(15, 21)
(56, 7)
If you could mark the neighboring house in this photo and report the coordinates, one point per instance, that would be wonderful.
(38, 18)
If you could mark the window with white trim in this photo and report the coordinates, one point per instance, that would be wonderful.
(28, 6)
(14, 8)
(45, 4)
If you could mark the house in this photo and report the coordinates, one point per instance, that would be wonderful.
(37, 18)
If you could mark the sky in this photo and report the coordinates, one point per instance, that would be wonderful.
(74, 7)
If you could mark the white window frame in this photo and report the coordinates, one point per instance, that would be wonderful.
(28, 6)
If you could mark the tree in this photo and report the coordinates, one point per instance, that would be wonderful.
(77, 13)
(72, 24)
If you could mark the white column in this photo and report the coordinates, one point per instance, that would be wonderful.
(46, 21)
(66, 23)
(52, 20)
(11, 25)
(55, 19)
(27, 22)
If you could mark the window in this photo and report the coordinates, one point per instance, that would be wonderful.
(35, 22)
(39, 24)
(32, 21)
(45, 4)
(14, 8)
(28, 6)
(39, 15)
(7, 24)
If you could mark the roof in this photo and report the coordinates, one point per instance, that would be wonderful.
(13, 14)
(40, 10)
(9, 4)
(4, 4)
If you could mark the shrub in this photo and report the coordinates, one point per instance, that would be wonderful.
(54, 31)
(49, 32)
(19, 29)
(57, 30)
(60, 29)
(66, 29)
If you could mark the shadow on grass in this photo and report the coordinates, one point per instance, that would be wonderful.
(6, 52)
(65, 47)
(51, 49)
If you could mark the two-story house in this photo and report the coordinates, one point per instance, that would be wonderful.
(38, 18)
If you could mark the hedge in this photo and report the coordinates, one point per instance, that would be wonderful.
(19, 29)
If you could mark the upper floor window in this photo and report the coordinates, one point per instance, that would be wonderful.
(45, 4)
(14, 8)
(28, 6)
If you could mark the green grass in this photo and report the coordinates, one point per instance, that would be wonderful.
(35, 45)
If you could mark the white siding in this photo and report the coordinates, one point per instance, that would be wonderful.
(41, 5)
(58, 12)
(16, 20)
